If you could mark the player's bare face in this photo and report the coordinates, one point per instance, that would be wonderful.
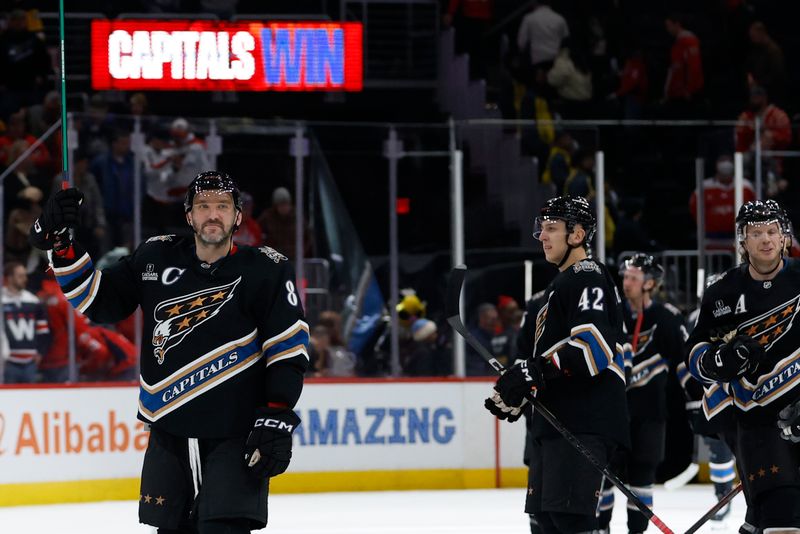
(633, 284)
(213, 217)
(763, 243)
(553, 236)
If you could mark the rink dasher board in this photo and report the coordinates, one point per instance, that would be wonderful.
(83, 442)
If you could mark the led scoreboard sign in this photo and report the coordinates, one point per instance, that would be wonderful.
(185, 55)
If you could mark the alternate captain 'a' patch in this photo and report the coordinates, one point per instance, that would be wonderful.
(177, 317)
(769, 327)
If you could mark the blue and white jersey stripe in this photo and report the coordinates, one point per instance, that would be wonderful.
(290, 343)
(198, 377)
(720, 473)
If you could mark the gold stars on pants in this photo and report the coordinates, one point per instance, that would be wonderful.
(148, 499)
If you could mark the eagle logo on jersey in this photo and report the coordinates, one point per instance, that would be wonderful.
(272, 254)
(769, 327)
(178, 316)
(645, 338)
(167, 237)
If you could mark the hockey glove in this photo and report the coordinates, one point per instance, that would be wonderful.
(733, 359)
(789, 422)
(269, 445)
(512, 388)
(60, 213)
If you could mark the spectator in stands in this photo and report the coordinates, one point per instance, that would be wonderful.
(684, 84)
(559, 161)
(187, 157)
(54, 366)
(279, 222)
(106, 355)
(764, 63)
(92, 231)
(484, 331)
(630, 233)
(428, 357)
(504, 342)
(338, 361)
(580, 182)
(19, 190)
(775, 133)
(540, 35)
(633, 85)
(536, 140)
(17, 136)
(718, 197)
(114, 174)
(26, 328)
(42, 116)
(18, 226)
(471, 19)
(249, 232)
(96, 127)
(506, 308)
(24, 65)
(571, 78)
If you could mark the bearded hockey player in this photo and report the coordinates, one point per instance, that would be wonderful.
(572, 359)
(745, 350)
(656, 336)
(222, 362)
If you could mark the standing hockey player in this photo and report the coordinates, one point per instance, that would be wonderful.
(656, 336)
(745, 344)
(222, 363)
(572, 361)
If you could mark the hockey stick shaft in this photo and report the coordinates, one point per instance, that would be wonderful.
(452, 304)
(64, 151)
(728, 497)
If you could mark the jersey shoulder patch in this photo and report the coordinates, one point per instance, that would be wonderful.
(272, 254)
(162, 238)
(587, 266)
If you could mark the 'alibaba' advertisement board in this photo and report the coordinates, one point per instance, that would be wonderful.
(186, 55)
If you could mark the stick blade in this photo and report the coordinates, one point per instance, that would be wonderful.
(454, 284)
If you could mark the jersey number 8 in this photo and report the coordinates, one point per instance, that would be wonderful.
(292, 294)
(596, 301)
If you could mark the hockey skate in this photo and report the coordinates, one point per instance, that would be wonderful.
(719, 521)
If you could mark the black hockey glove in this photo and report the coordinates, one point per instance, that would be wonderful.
(733, 359)
(60, 213)
(789, 422)
(269, 445)
(512, 388)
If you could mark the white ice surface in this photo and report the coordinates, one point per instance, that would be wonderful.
(390, 512)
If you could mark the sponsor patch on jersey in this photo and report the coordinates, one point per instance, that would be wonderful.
(167, 237)
(586, 265)
(149, 273)
(720, 309)
(177, 317)
(272, 254)
(769, 327)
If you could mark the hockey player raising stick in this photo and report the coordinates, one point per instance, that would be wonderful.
(745, 346)
(656, 337)
(571, 357)
(222, 360)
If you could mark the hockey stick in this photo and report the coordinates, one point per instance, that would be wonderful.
(64, 153)
(452, 305)
(728, 497)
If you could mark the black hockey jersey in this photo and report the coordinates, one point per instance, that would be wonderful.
(219, 340)
(765, 311)
(576, 340)
(657, 348)
(27, 328)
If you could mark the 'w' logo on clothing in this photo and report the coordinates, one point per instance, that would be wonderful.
(21, 328)
(178, 316)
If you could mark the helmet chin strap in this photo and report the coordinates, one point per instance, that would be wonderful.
(570, 248)
(778, 264)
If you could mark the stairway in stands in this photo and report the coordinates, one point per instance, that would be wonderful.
(511, 192)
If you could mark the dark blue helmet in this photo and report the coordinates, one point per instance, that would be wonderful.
(212, 181)
(571, 210)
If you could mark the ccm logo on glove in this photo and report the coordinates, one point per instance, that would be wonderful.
(274, 423)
